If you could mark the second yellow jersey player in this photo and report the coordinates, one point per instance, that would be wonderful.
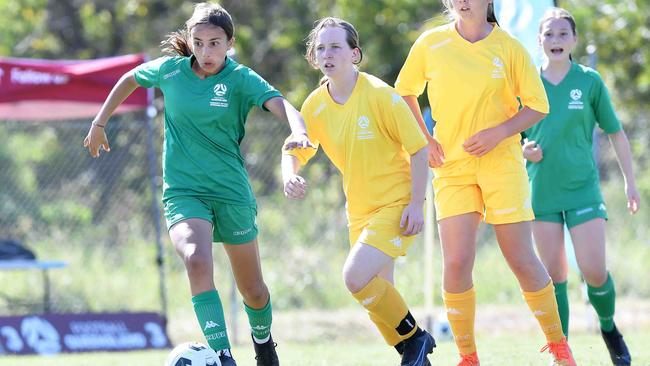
(467, 95)
(370, 135)
(370, 143)
(483, 91)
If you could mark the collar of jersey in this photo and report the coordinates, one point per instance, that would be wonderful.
(353, 95)
(478, 44)
(187, 70)
(548, 84)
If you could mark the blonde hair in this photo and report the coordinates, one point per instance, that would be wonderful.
(204, 13)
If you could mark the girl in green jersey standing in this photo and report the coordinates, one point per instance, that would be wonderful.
(206, 193)
(564, 175)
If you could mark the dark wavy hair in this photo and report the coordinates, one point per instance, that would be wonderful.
(204, 13)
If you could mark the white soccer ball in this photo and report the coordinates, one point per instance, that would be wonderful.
(442, 329)
(192, 354)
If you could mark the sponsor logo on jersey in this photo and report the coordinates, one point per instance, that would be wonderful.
(219, 99)
(497, 72)
(576, 99)
(364, 133)
(396, 98)
(171, 74)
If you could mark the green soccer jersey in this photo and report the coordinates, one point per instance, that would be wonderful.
(567, 176)
(204, 125)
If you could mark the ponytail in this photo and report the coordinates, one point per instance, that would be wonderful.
(177, 43)
(491, 16)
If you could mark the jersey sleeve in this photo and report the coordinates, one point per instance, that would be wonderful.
(148, 74)
(527, 83)
(412, 77)
(401, 124)
(603, 108)
(257, 90)
(305, 154)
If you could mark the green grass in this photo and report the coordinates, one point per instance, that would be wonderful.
(500, 349)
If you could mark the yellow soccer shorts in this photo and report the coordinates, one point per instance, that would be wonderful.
(381, 230)
(494, 185)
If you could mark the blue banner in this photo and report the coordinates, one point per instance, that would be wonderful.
(521, 19)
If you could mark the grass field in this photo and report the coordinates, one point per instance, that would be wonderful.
(506, 335)
(503, 349)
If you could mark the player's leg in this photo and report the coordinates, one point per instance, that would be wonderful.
(548, 231)
(588, 237)
(389, 334)
(376, 242)
(505, 189)
(383, 302)
(192, 239)
(190, 224)
(236, 225)
(458, 242)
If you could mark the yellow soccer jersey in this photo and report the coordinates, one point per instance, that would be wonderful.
(369, 139)
(471, 86)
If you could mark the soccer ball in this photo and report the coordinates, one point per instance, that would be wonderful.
(192, 354)
(441, 328)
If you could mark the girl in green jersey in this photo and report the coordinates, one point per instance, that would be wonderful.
(206, 192)
(564, 176)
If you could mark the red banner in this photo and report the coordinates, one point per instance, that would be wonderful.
(54, 89)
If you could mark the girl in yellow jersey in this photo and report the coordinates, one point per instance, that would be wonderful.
(475, 74)
(370, 135)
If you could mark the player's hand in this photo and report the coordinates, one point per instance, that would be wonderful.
(295, 187)
(297, 142)
(436, 154)
(96, 140)
(483, 141)
(533, 152)
(412, 220)
(633, 198)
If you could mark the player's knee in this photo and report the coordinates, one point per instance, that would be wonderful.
(457, 266)
(197, 264)
(596, 277)
(256, 293)
(353, 282)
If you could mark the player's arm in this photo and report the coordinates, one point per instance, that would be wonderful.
(284, 111)
(413, 215)
(295, 186)
(621, 146)
(436, 155)
(484, 141)
(96, 137)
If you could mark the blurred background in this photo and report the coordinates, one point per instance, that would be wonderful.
(97, 214)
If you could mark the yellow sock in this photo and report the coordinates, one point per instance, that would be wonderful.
(390, 334)
(544, 306)
(461, 310)
(384, 303)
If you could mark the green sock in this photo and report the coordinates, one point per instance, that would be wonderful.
(209, 312)
(562, 298)
(260, 322)
(603, 299)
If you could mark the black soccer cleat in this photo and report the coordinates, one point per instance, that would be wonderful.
(225, 356)
(618, 351)
(417, 348)
(265, 353)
